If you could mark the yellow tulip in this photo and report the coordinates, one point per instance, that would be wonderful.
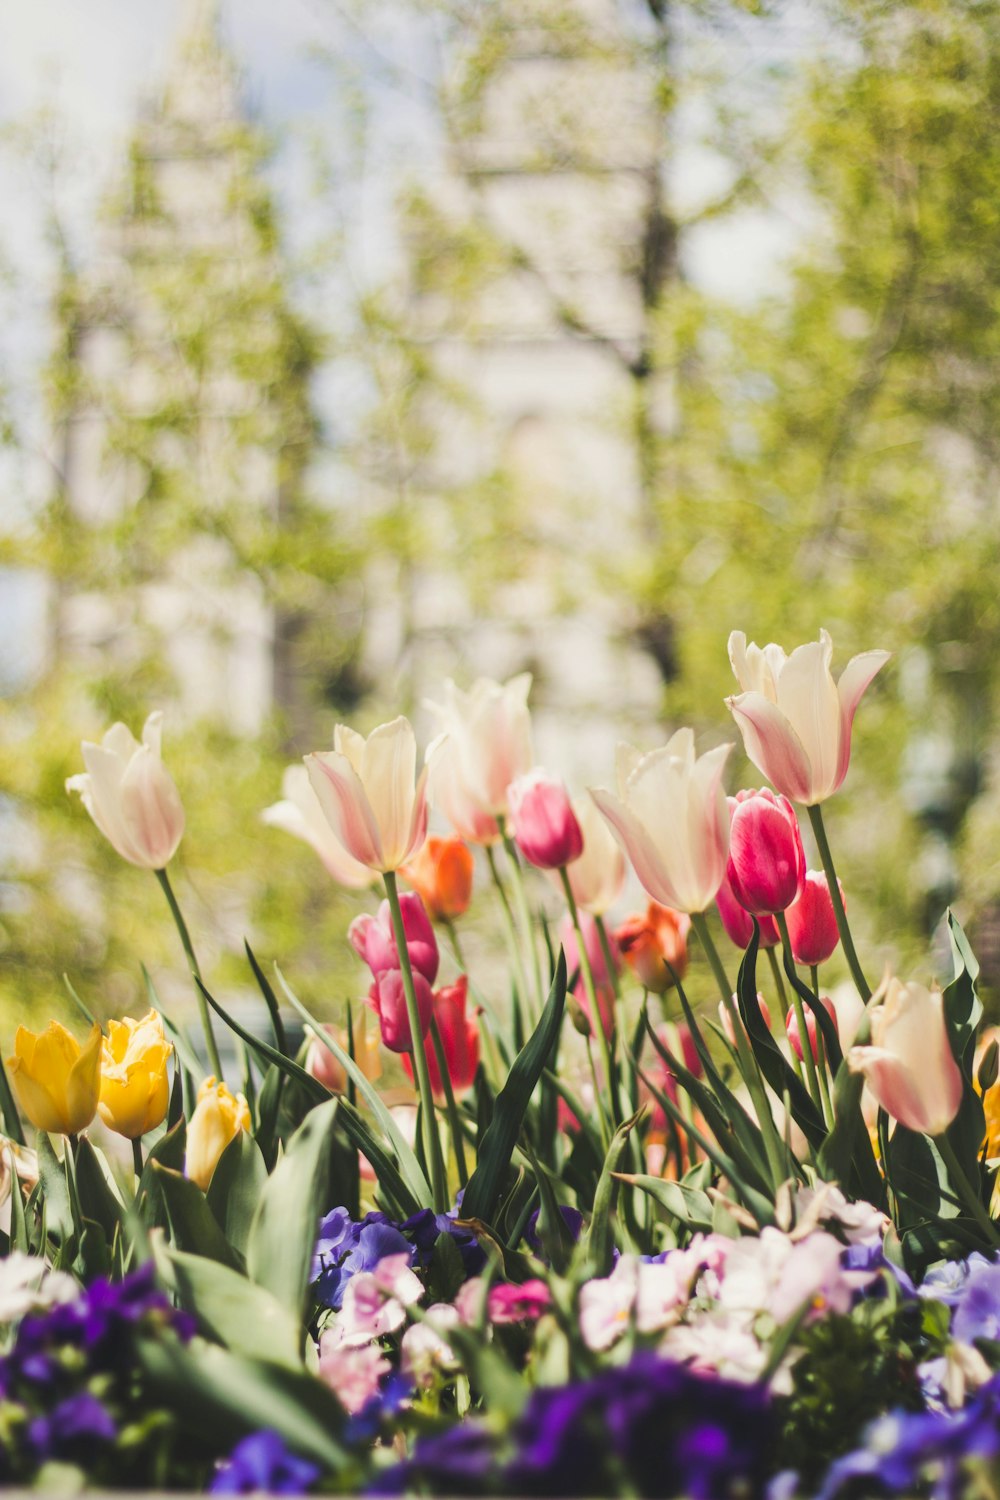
(218, 1118)
(134, 1086)
(56, 1081)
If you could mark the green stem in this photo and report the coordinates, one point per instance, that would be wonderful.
(847, 942)
(456, 946)
(428, 1119)
(966, 1190)
(517, 958)
(596, 1020)
(825, 1071)
(612, 967)
(747, 1061)
(206, 1021)
(454, 1121)
(808, 1060)
(524, 920)
(779, 982)
(137, 1156)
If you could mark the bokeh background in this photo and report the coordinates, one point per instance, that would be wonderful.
(347, 345)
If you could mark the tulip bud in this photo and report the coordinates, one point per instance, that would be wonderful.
(726, 1019)
(218, 1118)
(131, 795)
(321, 1064)
(459, 1035)
(738, 923)
(792, 1028)
(767, 863)
(56, 1081)
(135, 1089)
(441, 874)
(989, 1067)
(812, 924)
(654, 946)
(605, 997)
(387, 998)
(374, 939)
(909, 1065)
(545, 825)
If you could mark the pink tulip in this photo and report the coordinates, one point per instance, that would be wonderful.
(909, 1065)
(131, 795)
(374, 941)
(812, 925)
(300, 814)
(792, 1027)
(387, 999)
(368, 794)
(767, 863)
(545, 825)
(738, 922)
(795, 720)
(605, 997)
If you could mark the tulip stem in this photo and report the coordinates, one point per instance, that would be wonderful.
(966, 1191)
(609, 962)
(428, 1118)
(456, 946)
(137, 1156)
(815, 812)
(516, 956)
(596, 1020)
(185, 937)
(805, 1042)
(454, 1119)
(524, 919)
(747, 1062)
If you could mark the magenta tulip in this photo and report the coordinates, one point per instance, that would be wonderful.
(545, 826)
(812, 924)
(738, 922)
(387, 999)
(767, 863)
(373, 940)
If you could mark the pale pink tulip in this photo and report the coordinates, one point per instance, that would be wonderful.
(131, 795)
(299, 813)
(366, 790)
(909, 1065)
(489, 730)
(795, 720)
(671, 818)
(448, 795)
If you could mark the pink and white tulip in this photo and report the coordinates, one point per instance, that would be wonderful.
(544, 823)
(489, 731)
(448, 795)
(795, 720)
(300, 814)
(794, 1034)
(597, 877)
(767, 863)
(670, 817)
(909, 1065)
(131, 795)
(368, 795)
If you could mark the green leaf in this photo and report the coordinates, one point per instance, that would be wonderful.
(600, 1240)
(392, 1189)
(770, 1059)
(497, 1146)
(283, 1232)
(270, 1000)
(191, 1223)
(689, 1205)
(18, 1221)
(98, 1197)
(8, 1109)
(963, 1011)
(58, 1208)
(236, 1188)
(846, 1155)
(244, 1317)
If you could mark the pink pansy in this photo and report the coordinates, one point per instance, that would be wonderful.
(606, 1304)
(717, 1344)
(860, 1223)
(519, 1304)
(374, 941)
(394, 1276)
(375, 1301)
(353, 1374)
(423, 1350)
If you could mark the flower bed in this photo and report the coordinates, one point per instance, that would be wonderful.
(607, 1244)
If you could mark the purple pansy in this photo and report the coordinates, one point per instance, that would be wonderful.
(262, 1464)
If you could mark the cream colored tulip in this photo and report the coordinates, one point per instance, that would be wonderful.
(366, 791)
(489, 731)
(672, 819)
(218, 1118)
(300, 814)
(597, 878)
(909, 1065)
(131, 795)
(795, 720)
(135, 1088)
(448, 794)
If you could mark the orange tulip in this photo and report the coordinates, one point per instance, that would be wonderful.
(651, 940)
(441, 873)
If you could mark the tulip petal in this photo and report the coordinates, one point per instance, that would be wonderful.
(854, 680)
(638, 846)
(152, 810)
(84, 1084)
(808, 698)
(345, 806)
(101, 796)
(773, 745)
(389, 767)
(300, 814)
(152, 732)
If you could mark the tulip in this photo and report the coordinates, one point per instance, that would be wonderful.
(812, 923)
(447, 793)
(848, 1010)
(459, 1035)
(374, 941)
(387, 999)
(218, 1118)
(131, 795)
(794, 1035)
(57, 1082)
(726, 1018)
(795, 720)
(593, 946)
(441, 874)
(322, 1065)
(597, 878)
(135, 1090)
(909, 1065)
(738, 922)
(767, 864)
(545, 826)
(670, 817)
(366, 790)
(653, 943)
(300, 814)
(489, 728)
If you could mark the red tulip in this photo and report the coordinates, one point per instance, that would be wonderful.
(459, 1039)
(812, 925)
